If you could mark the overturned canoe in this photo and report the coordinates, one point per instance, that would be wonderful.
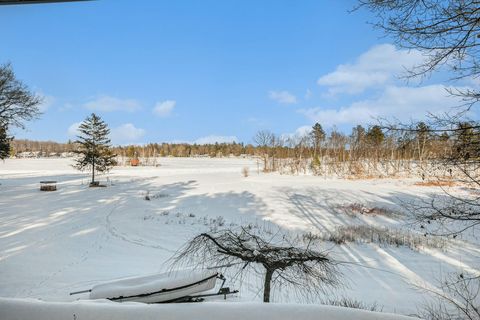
(156, 288)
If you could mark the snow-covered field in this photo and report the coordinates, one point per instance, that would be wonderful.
(53, 243)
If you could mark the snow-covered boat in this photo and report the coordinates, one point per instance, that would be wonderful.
(165, 287)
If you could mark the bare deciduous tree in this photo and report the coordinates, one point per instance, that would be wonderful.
(457, 300)
(17, 103)
(264, 140)
(305, 269)
(446, 32)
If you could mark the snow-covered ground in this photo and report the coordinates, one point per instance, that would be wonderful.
(16, 309)
(53, 243)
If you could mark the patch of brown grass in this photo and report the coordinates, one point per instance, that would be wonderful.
(435, 183)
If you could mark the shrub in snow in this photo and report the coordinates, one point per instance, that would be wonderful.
(356, 208)
(380, 235)
(353, 303)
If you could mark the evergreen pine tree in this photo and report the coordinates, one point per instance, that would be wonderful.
(94, 148)
(375, 136)
(318, 136)
(4, 143)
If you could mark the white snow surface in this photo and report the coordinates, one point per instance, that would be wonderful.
(53, 243)
(21, 309)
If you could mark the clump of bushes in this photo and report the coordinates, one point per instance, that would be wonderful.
(353, 303)
(378, 235)
(356, 208)
(149, 197)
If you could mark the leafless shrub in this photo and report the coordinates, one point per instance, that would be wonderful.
(149, 197)
(353, 303)
(245, 172)
(383, 236)
(458, 299)
(356, 208)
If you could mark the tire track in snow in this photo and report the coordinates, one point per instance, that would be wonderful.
(95, 246)
(122, 236)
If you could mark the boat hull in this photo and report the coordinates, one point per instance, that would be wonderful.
(155, 288)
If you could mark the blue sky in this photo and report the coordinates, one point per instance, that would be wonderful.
(203, 71)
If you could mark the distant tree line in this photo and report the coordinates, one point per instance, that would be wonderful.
(47, 148)
(365, 151)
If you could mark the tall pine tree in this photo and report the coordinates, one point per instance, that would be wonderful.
(4, 143)
(94, 147)
(318, 136)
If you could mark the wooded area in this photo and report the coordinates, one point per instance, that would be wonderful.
(364, 152)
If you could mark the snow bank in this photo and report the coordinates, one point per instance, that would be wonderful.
(29, 309)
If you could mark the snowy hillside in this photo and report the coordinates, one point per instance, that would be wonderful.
(53, 243)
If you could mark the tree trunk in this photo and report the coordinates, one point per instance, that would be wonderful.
(93, 171)
(266, 286)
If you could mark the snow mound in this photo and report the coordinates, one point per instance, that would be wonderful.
(30, 309)
(166, 285)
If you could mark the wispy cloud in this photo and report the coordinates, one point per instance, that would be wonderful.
(308, 94)
(213, 138)
(72, 130)
(374, 68)
(298, 134)
(402, 103)
(47, 102)
(164, 109)
(66, 106)
(108, 104)
(123, 134)
(257, 122)
(283, 97)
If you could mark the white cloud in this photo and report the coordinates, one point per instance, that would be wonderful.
(214, 138)
(123, 134)
(308, 94)
(65, 107)
(126, 133)
(373, 68)
(283, 97)
(298, 134)
(164, 108)
(108, 104)
(257, 122)
(73, 129)
(402, 103)
(47, 102)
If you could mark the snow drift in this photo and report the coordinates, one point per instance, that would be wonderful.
(29, 309)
